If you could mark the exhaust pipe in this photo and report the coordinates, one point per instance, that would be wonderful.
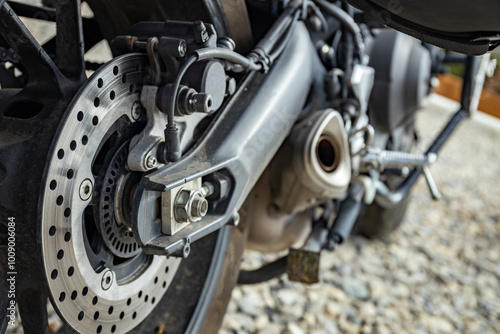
(321, 166)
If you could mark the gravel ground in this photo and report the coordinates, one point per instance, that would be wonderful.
(439, 273)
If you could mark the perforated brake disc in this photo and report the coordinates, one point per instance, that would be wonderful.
(99, 280)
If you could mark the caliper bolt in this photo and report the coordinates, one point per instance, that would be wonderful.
(107, 280)
(85, 189)
(136, 110)
(151, 162)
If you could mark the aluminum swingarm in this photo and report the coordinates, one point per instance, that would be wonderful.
(235, 150)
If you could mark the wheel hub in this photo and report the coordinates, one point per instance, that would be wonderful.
(115, 206)
(99, 279)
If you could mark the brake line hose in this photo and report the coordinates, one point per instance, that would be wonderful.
(348, 21)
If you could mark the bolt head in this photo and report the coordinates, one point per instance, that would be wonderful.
(151, 162)
(182, 48)
(136, 110)
(85, 189)
(235, 219)
(186, 250)
(107, 279)
(181, 205)
(190, 206)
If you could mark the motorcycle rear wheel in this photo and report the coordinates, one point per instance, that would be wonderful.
(199, 292)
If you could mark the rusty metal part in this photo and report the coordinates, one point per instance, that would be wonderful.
(303, 266)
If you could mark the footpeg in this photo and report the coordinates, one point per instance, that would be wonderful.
(379, 159)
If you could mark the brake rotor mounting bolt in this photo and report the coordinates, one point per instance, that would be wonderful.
(136, 110)
(85, 189)
(107, 280)
(151, 162)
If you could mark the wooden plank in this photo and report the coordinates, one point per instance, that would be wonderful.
(450, 86)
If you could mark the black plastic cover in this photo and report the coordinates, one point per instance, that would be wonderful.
(465, 26)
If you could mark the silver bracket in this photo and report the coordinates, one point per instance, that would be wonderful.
(430, 182)
(145, 145)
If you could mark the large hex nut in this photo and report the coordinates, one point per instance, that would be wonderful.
(190, 206)
(181, 205)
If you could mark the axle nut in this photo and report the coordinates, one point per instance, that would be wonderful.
(190, 206)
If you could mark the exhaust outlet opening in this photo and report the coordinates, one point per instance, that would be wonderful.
(327, 153)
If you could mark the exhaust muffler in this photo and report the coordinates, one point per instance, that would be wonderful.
(314, 163)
